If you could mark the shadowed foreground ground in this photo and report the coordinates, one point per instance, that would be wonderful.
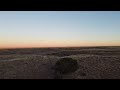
(94, 63)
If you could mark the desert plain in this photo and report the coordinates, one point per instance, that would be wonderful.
(101, 62)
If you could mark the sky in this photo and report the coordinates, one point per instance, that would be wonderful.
(59, 28)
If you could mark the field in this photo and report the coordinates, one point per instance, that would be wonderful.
(37, 63)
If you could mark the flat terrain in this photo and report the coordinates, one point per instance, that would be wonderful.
(37, 63)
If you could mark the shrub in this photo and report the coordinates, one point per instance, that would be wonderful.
(66, 65)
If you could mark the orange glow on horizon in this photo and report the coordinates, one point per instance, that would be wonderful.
(57, 44)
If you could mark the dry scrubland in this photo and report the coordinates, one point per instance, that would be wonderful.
(36, 63)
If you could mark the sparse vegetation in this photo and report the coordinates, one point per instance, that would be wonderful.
(66, 65)
(94, 63)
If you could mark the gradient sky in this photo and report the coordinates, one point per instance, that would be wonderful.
(59, 28)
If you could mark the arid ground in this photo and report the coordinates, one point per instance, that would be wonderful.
(38, 63)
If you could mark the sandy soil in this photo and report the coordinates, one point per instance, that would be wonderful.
(94, 63)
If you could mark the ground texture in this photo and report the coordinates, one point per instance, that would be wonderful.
(94, 63)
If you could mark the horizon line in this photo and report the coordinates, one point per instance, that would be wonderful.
(57, 47)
